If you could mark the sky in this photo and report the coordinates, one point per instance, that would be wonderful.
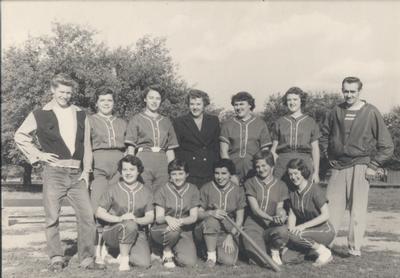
(226, 47)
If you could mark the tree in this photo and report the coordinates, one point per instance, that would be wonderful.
(72, 49)
(392, 120)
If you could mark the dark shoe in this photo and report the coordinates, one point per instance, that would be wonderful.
(95, 266)
(57, 266)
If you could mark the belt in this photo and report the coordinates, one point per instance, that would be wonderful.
(67, 163)
(151, 149)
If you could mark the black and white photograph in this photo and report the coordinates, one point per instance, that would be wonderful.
(200, 138)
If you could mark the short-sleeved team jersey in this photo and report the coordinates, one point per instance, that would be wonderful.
(295, 134)
(268, 195)
(307, 204)
(230, 198)
(107, 133)
(245, 138)
(144, 131)
(121, 199)
(177, 203)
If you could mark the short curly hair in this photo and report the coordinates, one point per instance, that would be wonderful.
(177, 165)
(264, 155)
(194, 93)
(227, 163)
(133, 160)
(103, 92)
(244, 96)
(300, 164)
(295, 91)
(156, 88)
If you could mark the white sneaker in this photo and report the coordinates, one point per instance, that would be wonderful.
(168, 262)
(324, 256)
(99, 260)
(154, 257)
(276, 256)
(111, 260)
(354, 252)
(124, 264)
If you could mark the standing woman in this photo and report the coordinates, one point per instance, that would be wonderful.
(153, 138)
(244, 135)
(308, 223)
(197, 134)
(296, 135)
(107, 134)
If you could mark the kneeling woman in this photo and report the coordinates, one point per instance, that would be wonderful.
(128, 209)
(265, 222)
(308, 223)
(220, 198)
(177, 205)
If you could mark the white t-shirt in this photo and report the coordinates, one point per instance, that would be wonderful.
(67, 123)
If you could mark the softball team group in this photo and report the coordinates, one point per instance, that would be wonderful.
(166, 190)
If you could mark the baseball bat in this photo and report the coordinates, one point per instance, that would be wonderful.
(264, 256)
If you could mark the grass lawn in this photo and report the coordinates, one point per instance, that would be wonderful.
(32, 261)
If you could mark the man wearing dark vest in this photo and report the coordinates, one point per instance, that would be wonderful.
(63, 133)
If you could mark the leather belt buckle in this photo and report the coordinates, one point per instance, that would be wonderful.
(155, 149)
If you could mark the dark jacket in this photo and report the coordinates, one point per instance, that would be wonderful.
(199, 149)
(369, 141)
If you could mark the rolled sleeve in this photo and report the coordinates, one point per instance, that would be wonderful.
(249, 190)
(149, 203)
(242, 199)
(265, 137)
(225, 134)
(159, 198)
(24, 139)
(131, 136)
(172, 139)
(204, 197)
(195, 201)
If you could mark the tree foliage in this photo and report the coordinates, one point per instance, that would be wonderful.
(27, 69)
(317, 106)
(392, 120)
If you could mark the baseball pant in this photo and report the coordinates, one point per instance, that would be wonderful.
(349, 188)
(155, 172)
(59, 182)
(128, 232)
(243, 165)
(105, 173)
(322, 234)
(181, 242)
(274, 237)
(219, 229)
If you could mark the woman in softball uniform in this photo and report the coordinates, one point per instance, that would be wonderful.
(128, 209)
(308, 223)
(107, 133)
(220, 198)
(265, 222)
(244, 135)
(153, 138)
(295, 135)
(176, 205)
